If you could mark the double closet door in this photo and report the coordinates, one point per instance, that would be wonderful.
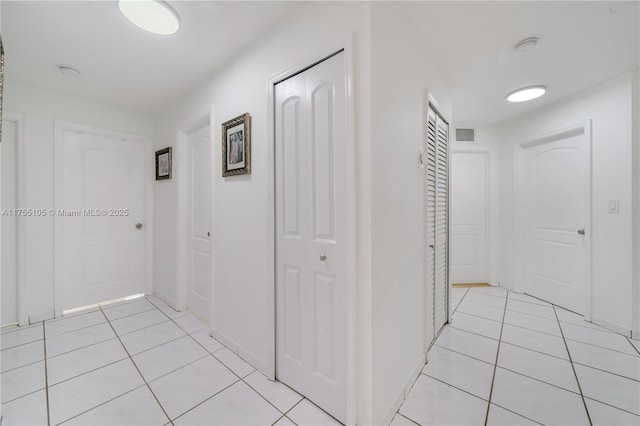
(436, 222)
(311, 233)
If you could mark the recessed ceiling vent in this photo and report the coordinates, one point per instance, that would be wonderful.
(465, 135)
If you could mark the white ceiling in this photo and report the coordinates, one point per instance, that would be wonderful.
(120, 63)
(581, 44)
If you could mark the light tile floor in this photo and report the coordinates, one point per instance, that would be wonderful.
(137, 362)
(506, 359)
(511, 359)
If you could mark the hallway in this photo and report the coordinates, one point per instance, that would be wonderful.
(541, 350)
(137, 362)
(140, 362)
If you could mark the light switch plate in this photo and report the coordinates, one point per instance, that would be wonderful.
(614, 206)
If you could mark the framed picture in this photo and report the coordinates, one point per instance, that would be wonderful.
(236, 146)
(163, 164)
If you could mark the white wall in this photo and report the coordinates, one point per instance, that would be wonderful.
(609, 106)
(486, 141)
(401, 72)
(636, 202)
(41, 109)
(243, 256)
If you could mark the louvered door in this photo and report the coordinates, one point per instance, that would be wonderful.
(441, 224)
(436, 221)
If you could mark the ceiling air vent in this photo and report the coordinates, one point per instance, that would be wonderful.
(465, 135)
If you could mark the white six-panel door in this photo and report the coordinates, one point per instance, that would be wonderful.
(103, 234)
(199, 221)
(555, 213)
(310, 170)
(468, 218)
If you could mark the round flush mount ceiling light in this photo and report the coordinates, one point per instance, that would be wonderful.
(155, 16)
(526, 94)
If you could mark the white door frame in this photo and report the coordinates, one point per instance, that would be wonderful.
(429, 98)
(489, 226)
(60, 128)
(347, 48)
(22, 224)
(197, 121)
(519, 205)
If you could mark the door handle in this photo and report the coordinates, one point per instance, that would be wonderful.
(138, 225)
(323, 257)
(581, 231)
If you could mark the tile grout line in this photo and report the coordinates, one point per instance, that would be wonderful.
(607, 371)
(294, 406)
(518, 414)
(454, 386)
(202, 402)
(632, 345)
(102, 403)
(136, 366)
(584, 402)
(458, 305)
(21, 344)
(21, 366)
(613, 406)
(46, 374)
(263, 397)
(241, 378)
(495, 367)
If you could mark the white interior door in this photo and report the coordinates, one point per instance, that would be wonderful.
(436, 184)
(103, 228)
(468, 218)
(310, 170)
(555, 215)
(441, 312)
(9, 224)
(199, 221)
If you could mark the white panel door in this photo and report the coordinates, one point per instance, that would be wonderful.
(199, 221)
(441, 268)
(436, 184)
(468, 218)
(103, 227)
(311, 256)
(556, 201)
(430, 222)
(9, 224)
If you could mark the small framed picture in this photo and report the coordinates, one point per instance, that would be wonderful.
(236, 146)
(163, 164)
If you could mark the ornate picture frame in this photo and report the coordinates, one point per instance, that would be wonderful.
(236, 146)
(163, 164)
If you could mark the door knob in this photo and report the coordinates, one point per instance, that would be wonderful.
(581, 231)
(138, 225)
(323, 257)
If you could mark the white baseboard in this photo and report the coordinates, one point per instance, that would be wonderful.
(243, 353)
(391, 412)
(226, 341)
(611, 326)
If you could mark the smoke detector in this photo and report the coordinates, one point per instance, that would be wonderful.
(523, 46)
